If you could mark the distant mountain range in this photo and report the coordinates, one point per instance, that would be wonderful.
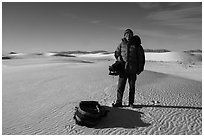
(193, 51)
(108, 52)
(71, 53)
(157, 50)
(82, 52)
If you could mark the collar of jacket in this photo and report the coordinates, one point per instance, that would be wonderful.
(134, 40)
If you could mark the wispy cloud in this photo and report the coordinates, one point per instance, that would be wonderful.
(81, 19)
(144, 32)
(121, 28)
(149, 5)
(160, 34)
(95, 21)
(186, 18)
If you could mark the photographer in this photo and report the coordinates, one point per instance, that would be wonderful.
(131, 54)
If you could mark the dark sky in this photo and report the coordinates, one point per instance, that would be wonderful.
(42, 27)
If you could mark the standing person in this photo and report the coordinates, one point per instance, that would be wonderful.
(131, 53)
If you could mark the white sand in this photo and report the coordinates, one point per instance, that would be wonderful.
(39, 96)
(173, 56)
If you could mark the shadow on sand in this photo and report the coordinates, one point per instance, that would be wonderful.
(160, 106)
(120, 117)
(130, 118)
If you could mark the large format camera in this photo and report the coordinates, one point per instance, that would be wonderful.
(116, 68)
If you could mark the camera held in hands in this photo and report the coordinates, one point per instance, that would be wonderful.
(116, 68)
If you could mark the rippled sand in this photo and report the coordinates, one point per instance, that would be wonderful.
(39, 97)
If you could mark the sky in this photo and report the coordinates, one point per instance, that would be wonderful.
(89, 26)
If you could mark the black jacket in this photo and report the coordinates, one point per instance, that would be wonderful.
(132, 53)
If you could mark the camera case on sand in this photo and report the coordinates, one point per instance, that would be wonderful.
(116, 68)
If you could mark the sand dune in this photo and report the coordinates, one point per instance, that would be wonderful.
(39, 96)
(150, 56)
(173, 57)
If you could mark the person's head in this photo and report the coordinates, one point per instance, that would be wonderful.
(128, 34)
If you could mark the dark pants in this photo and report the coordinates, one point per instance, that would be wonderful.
(121, 87)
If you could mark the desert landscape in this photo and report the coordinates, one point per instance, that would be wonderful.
(40, 92)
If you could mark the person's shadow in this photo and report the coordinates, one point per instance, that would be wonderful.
(160, 106)
(129, 118)
(120, 117)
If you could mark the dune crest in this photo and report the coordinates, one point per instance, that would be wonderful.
(173, 57)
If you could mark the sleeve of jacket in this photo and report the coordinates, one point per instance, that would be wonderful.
(141, 56)
(117, 52)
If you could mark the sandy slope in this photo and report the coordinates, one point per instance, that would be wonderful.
(189, 71)
(174, 56)
(39, 96)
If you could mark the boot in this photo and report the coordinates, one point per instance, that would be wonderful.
(117, 104)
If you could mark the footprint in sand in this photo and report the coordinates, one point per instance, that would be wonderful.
(154, 102)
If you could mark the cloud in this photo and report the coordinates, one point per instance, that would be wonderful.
(95, 21)
(70, 15)
(120, 28)
(161, 34)
(79, 18)
(144, 32)
(190, 36)
(149, 5)
(186, 18)
(176, 14)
